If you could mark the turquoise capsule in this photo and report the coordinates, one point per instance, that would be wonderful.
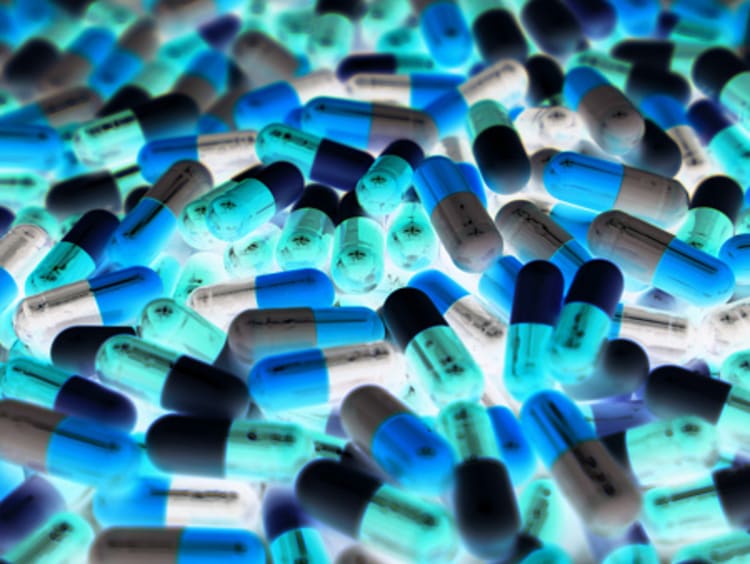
(411, 242)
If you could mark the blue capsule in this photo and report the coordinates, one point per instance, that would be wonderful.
(30, 147)
(515, 449)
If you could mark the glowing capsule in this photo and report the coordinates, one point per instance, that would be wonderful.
(382, 187)
(291, 533)
(254, 254)
(654, 256)
(30, 147)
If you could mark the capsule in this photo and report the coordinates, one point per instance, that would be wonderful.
(254, 254)
(610, 118)
(459, 218)
(63, 538)
(252, 199)
(496, 32)
(307, 236)
(319, 159)
(200, 269)
(19, 252)
(410, 240)
(361, 506)
(497, 283)
(168, 379)
(305, 287)
(731, 547)
(721, 75)
(584, 321)
(205, 78)
(654, 256)
(734, 252)
(25, 508)
(258, 333)
(672, 391)
(223, 154)
(34, 382)
(64, 446)
(222, 448)
(677, 56)
(497, 148)
(148, 227)
(31, 59)
(481, 331)
(665, 452)
(77, 255)
(175, 544)
(515, 450)
(656, 152)
(291, 533)
(367, 125)
(158, 501)
(115, 139)
(90, 191)
(553, 27)
(30, 147)
(434, 353)
(397, 439)
(487, 515)
(444, 30)
(700, 510)
(533, 235)
(72, 105)
(384, 185)
(589, 477)
(415, 89)
(662, 333)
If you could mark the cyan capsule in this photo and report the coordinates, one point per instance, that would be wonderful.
(410, 240)
(68, 447)
(358, 256)
(735, 252)
(397, 439)
(244, 449)
(362, 507)
(177, 544)
(30, 147)
(19, 251)
(314, 377)
(148, 227)
(257, 333)
(584, 321)
(252, 199)
(601, 185)
(254, 254)
(459, 218)
(307, 235)
(383, 186)
(714, 208)
(159, 501)
(291, 533)
(25, 508)
(654, 256)
(515, 449)
(591, 480)
(721, 75)
(610, 118)
(168, 379)
(497, 283)
(319, 159)
(77, 255)
(536, 306)
(42, 384)
(64, 537)
(108, 299)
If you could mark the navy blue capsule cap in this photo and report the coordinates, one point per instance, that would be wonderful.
(74, 349)
(733, 487)
(720, 193)
(96, 190)
(407, 312)
(498, 36)
(708, 119)
(90, 400)
(653, 52)
(537, 297)
(645, 80)
(170, 115)
(336, 494)
(284, 180)
(349, 207)
(6, 219)
(713, 68)
(353, 9)
(385, 63)
(282, 512)
(93, 231)
(598, 282)
(182, 444)
(553, 27)
(128, 97)
(133, 197)
(320, 197)
(665, 23)
(545, 79)
(408, 150)
(31, 57)
(220, 31)
(672, 391)
(339, 165)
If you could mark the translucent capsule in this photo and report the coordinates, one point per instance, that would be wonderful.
(410, 240)
(254, 254)
(200, 269)
(610, 118)
(290, 531)
(722, 75)
(19, 252)
(319, 159)
(108, 299)
(382, 187)
(458, 216)
(257, 333)
(25, 508)
(735, 369)
(591, 480)
(307, 236)
(156, 501)
(662, 333)
(332, 31)
(434, 354)
(74, 349)
(62, 538)
(657, 257)
(515, 450)
(666, 452)
(601, 185)
(243, 449)
(168, 379)
(34, 382)
(415, 89)
(305, 287)
(361, 506)
(399, 441)
(201, 546)
(64, 446)
(77, 255)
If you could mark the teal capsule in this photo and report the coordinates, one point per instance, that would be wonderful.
(382, 187)
(332, 32)
(201, 269)
(542, 511)
(63, 538)
(732, 548)
(253, 254)
(411, 242)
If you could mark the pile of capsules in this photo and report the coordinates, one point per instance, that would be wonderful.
(362, 282)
